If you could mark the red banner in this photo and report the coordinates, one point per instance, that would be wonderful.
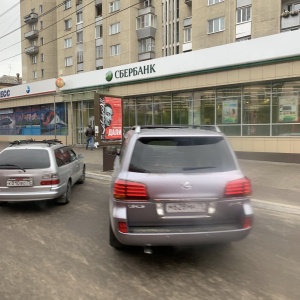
(110, 118)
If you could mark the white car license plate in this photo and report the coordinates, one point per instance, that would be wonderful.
(186, 207)
(19, 182)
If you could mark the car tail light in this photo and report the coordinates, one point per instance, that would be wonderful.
(130, 190)
(50, 179)
(239, 187)
(122, 226)
(247, 223)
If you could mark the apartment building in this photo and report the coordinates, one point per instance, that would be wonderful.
(61, 38)
(171, 62)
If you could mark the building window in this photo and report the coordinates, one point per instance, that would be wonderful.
(42, 73)
(99, 10)
(68, 24)
(148, 20)
(69, 61)
(243, 14)
(79, 35)
(42, 57)
(41, 41)
(41, 9)
(115, 50)
(80, 57)
(114, 28)
(187, 35)
(41, 25)
(33, 27)
(146, 45)
(216, 25)
(34, 59)
(114, 6)
(99, 52)
(79, 17)
(67, 4)
(99, 68)
(68, 43)
(99, 32)
(211, 2)
(34, 74)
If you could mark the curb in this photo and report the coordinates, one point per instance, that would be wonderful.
(98, 176)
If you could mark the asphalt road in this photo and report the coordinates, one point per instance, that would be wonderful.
(62, 252)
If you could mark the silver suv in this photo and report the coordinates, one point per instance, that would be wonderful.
(178, 186)
(39, 170)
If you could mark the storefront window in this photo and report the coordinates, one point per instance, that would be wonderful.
(204, 107)
(162, 110)
(128, 113)
(182, 105)
(256, 110)
(228, 111)
(144, 111)
(286, 108)
(84, 116)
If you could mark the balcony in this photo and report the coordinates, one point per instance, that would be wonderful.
(31, 18)
(290, 20)
(187, 22)
(33, 34)
(32, 50)
(146, 32)
(188, 2)
(146, 56)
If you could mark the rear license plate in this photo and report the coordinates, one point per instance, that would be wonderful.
(20, 181)
(193, 207)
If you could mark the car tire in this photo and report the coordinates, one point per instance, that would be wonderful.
(66, 197)
(82, 178)
(113, 241)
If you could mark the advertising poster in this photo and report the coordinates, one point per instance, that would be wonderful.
(288, 109)
(110, 118)
(230, 111)
(34, 120)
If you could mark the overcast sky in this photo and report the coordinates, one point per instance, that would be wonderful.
(10, 45)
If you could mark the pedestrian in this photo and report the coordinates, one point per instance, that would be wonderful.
(89, 133)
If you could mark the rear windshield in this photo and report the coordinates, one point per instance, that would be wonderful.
(25, 158)
(181, 155)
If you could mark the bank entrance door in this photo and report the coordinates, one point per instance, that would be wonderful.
(84, 112)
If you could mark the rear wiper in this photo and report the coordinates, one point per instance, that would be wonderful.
(197, 168)
(10, 165)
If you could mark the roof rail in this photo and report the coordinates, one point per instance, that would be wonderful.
(138, 128)
(32, 141)
(207, 127)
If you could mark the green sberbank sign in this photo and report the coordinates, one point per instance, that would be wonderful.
(130, 72)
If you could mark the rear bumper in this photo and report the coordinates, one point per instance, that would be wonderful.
(184, 235)
(13, 195)
(173, 239)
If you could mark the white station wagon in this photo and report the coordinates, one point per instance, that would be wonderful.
(39, 170)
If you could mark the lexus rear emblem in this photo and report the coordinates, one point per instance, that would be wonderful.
(186, 185)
